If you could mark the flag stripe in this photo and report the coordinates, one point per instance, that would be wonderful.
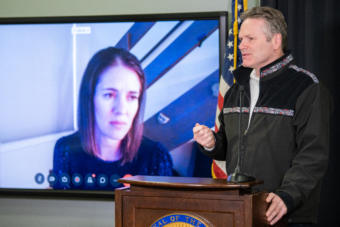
(220, 101)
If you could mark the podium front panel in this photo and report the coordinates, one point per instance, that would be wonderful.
(141, 209)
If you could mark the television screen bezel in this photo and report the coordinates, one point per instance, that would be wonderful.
(221, 16)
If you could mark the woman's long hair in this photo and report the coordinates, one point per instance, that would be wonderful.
(86, 117)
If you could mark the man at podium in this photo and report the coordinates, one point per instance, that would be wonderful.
(274, 125)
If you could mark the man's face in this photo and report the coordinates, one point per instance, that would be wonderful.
(257, 51)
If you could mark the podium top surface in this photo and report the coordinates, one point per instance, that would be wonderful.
(185, 182)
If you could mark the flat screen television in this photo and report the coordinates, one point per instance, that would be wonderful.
(42, 62)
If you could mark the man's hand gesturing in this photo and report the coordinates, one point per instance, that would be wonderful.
(204, 136)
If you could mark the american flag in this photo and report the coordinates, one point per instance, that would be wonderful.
(232, 59)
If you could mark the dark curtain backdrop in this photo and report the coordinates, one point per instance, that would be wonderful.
(314, 42)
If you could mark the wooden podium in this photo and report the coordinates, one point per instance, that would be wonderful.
(184, 201)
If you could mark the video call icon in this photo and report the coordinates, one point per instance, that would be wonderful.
(77, 179)
(64, 179)
(113, 180)
(39, 178)
(90, 180)
(102, 180)
(52, 179)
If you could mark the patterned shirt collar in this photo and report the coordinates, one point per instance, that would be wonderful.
(275, 66)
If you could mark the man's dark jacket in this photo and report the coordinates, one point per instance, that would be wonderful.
(286, 144)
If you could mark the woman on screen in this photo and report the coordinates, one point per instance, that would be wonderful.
(109, 143)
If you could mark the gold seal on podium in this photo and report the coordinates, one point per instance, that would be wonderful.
(181, 220)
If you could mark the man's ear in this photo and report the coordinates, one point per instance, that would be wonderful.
(277, 41)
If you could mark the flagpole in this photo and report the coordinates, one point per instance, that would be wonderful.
(235, 32)
(245, 5)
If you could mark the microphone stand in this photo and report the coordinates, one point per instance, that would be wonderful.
(237, 176)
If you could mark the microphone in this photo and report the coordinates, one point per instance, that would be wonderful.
(237, 176)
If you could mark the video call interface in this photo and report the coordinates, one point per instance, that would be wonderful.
(41, 69)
